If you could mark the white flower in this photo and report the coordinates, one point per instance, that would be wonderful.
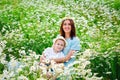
(32, 68)
(12, 74)
(28, 58)
(13, 65)
(22, 77)
(44, 71)
(66, 71)
(59, 70)
(22, 52)
(87, 53)
(5, 72)
(40, 79)
(2, 60)
(2, 44)
(72, 56)
(5, 75)
(93, 78)
(30, 51)
(52, 62)
(47, 61)
(35, 63)
(108, 72)
(10, 50)
(1, 50)
(37, 56)
(32, 54)
(18, 70)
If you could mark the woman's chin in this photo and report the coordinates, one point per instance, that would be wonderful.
(67, 31)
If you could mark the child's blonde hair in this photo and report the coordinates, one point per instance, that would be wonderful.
(59, 38)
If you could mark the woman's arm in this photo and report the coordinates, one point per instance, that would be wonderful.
(66, 58)
(75, 47)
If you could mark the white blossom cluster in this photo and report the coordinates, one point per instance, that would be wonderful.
(51, 69)
(80, 67)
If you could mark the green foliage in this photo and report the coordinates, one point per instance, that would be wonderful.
(107, 65)
(1, 68)
(116, 4)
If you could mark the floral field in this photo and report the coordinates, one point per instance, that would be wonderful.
(27, 27)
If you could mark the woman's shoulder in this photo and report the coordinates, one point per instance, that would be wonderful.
(76, 39)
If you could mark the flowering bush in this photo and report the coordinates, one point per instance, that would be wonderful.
(51, 70)
(27, 27)
(27, 67)
(80, 69)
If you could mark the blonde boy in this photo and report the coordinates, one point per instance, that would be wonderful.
(53, 69)
(55, 51)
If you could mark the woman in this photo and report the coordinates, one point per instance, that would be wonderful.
(67, 30)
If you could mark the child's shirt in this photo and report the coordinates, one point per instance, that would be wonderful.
(49, 53)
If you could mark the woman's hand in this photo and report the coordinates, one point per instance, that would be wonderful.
(66, 58)
(70, 54)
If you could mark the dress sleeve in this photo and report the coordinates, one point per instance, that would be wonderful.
(75, 44)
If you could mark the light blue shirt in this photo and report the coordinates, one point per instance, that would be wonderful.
(72, 44)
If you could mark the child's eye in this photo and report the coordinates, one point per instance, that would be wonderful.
(58, 44)
(62, 45)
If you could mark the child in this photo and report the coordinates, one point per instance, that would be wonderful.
(55, 51)
(53, 69)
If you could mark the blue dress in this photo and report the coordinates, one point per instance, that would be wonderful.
(72, 44)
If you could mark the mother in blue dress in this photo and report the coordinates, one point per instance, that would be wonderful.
(68, 31)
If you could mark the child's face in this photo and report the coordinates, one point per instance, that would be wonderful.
(59, 45)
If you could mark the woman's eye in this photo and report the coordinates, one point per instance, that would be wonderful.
(64, 24)
(69, 24)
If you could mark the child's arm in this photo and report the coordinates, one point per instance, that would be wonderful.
(66, 58)
(42, 58)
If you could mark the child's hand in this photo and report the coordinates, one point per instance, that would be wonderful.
(42, 58)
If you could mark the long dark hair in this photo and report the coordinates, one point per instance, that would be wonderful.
(73, 31)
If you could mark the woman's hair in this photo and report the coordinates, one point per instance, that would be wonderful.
(72, 33)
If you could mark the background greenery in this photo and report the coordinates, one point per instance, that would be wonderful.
(32, 25)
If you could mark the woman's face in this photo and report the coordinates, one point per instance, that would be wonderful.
(67, 26)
